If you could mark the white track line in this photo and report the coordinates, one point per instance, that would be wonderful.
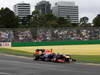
(3, 73)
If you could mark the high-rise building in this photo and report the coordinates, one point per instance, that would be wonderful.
(22, 10)
(44, 7)
(68, 10)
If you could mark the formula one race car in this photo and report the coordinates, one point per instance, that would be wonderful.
(47, 55)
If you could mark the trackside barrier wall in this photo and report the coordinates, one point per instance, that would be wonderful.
(21, 44)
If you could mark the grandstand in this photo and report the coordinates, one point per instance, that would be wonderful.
(49, 34)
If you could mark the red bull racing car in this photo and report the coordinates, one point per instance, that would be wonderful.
(48, 55)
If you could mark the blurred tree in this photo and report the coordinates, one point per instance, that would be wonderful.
(63, 22)
(48, 20)
(84, 21)
(51, 20)
(96, 20)
(35, 13)
(25, 21)
(8, 18)
(34, 21)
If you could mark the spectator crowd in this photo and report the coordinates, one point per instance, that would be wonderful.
(49, 34)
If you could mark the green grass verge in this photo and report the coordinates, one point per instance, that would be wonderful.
(79, 58)
(15, 52)
(87, 58)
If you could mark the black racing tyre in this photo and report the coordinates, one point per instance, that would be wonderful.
(35, 57)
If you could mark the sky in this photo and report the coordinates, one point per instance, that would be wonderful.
(88, 8)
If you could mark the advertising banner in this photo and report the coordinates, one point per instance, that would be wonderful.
(5, 44)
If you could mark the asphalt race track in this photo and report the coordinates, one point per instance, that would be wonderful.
(11, 65)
